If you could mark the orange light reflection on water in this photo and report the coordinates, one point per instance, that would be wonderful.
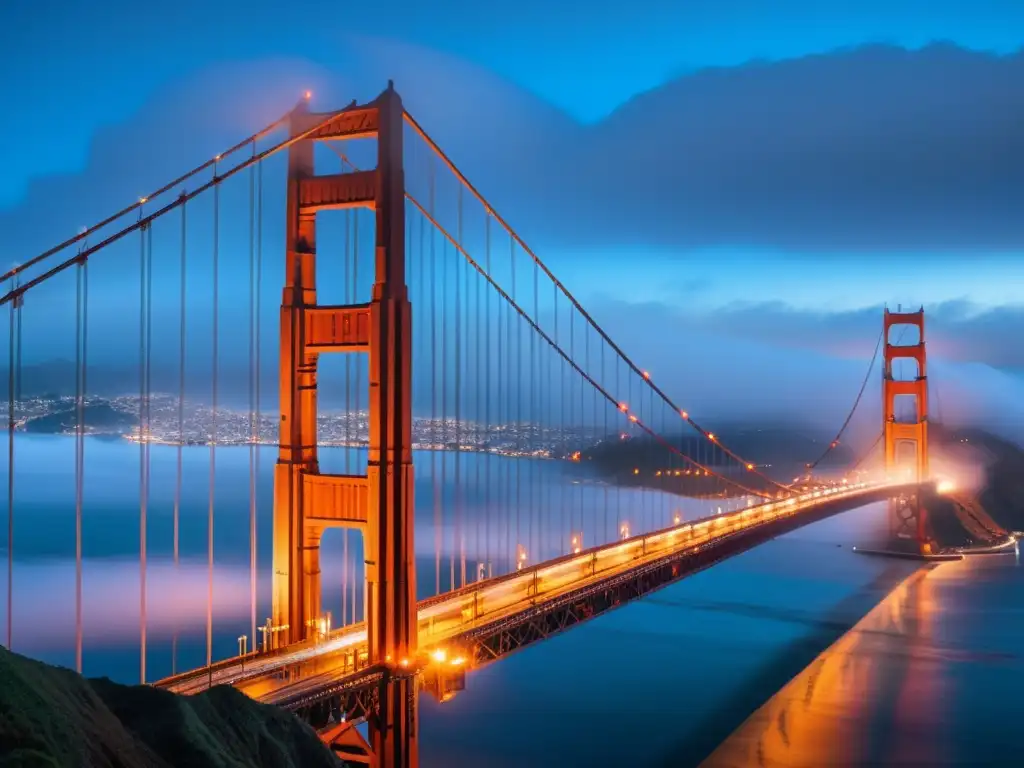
(874, 697)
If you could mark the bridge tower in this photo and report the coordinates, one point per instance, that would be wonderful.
(907, 515)
(379, 503)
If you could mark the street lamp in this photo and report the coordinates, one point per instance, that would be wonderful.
(577, 543)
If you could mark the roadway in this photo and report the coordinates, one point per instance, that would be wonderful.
(277, 676)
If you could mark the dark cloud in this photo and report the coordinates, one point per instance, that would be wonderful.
(873, 149)
(771, 361)
(955, 332)
(870, 150)
(184, 125)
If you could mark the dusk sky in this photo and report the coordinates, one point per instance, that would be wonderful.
(752, 184)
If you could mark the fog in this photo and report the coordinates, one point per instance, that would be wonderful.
(677, 220)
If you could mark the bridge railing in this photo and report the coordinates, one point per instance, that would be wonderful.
(443, 617)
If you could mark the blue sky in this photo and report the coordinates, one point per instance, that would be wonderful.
(799, 213)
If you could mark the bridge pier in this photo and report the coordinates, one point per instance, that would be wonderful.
(908, 522)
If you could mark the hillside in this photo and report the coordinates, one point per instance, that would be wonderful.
(1002, 496)
(97, 416)
(781, 452)
(51, 716)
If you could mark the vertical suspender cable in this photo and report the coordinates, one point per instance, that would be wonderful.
(472, 386)
(438, 540)
(604, 431)
(458, 544)
(143, 493)
(181, 427)
(479, 325)
(359, 379)
(655, 495)
(518, 367)
(256, 374)
(465, 377)
(618, 490)
(149, 386)
(559, 387)
(348, 416)
(13, 385)
(349, 299)
(485, 360)
(505, 411)
(573, 530)
(583, 419)
(534, 494)
(552, 504)
(78, 467)
(253, 374)
(85, 373)
(79, 447)
(149, 373)
(213, 431)
(444, 391)
(560, 527)
(10, 473)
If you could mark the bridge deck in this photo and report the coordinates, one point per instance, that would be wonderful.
(461, 621)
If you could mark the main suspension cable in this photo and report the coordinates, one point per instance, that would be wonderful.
(867, 453)
(464, 182)
(835, 441)
(633, 418)
(184, 197)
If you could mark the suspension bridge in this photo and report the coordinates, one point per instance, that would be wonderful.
(500, 469)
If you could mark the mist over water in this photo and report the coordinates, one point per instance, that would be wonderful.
(686, 665)
(496, 505)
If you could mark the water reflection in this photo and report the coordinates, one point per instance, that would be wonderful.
(675, 674)
(907, 685)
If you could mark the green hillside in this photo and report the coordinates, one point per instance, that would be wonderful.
(51, 716)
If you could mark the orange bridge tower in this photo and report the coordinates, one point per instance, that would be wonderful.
(379, 503)
(906, 436)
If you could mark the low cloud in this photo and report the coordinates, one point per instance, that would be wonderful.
(866, 150)
(772, 361)
(874, 150)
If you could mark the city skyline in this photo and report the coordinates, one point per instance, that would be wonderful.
(742, 300)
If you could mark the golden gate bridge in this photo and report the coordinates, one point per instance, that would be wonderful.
(456, 410)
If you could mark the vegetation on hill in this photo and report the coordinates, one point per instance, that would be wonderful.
(780, 452)
(1002, 495)
(97, 416)
(51, 716)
